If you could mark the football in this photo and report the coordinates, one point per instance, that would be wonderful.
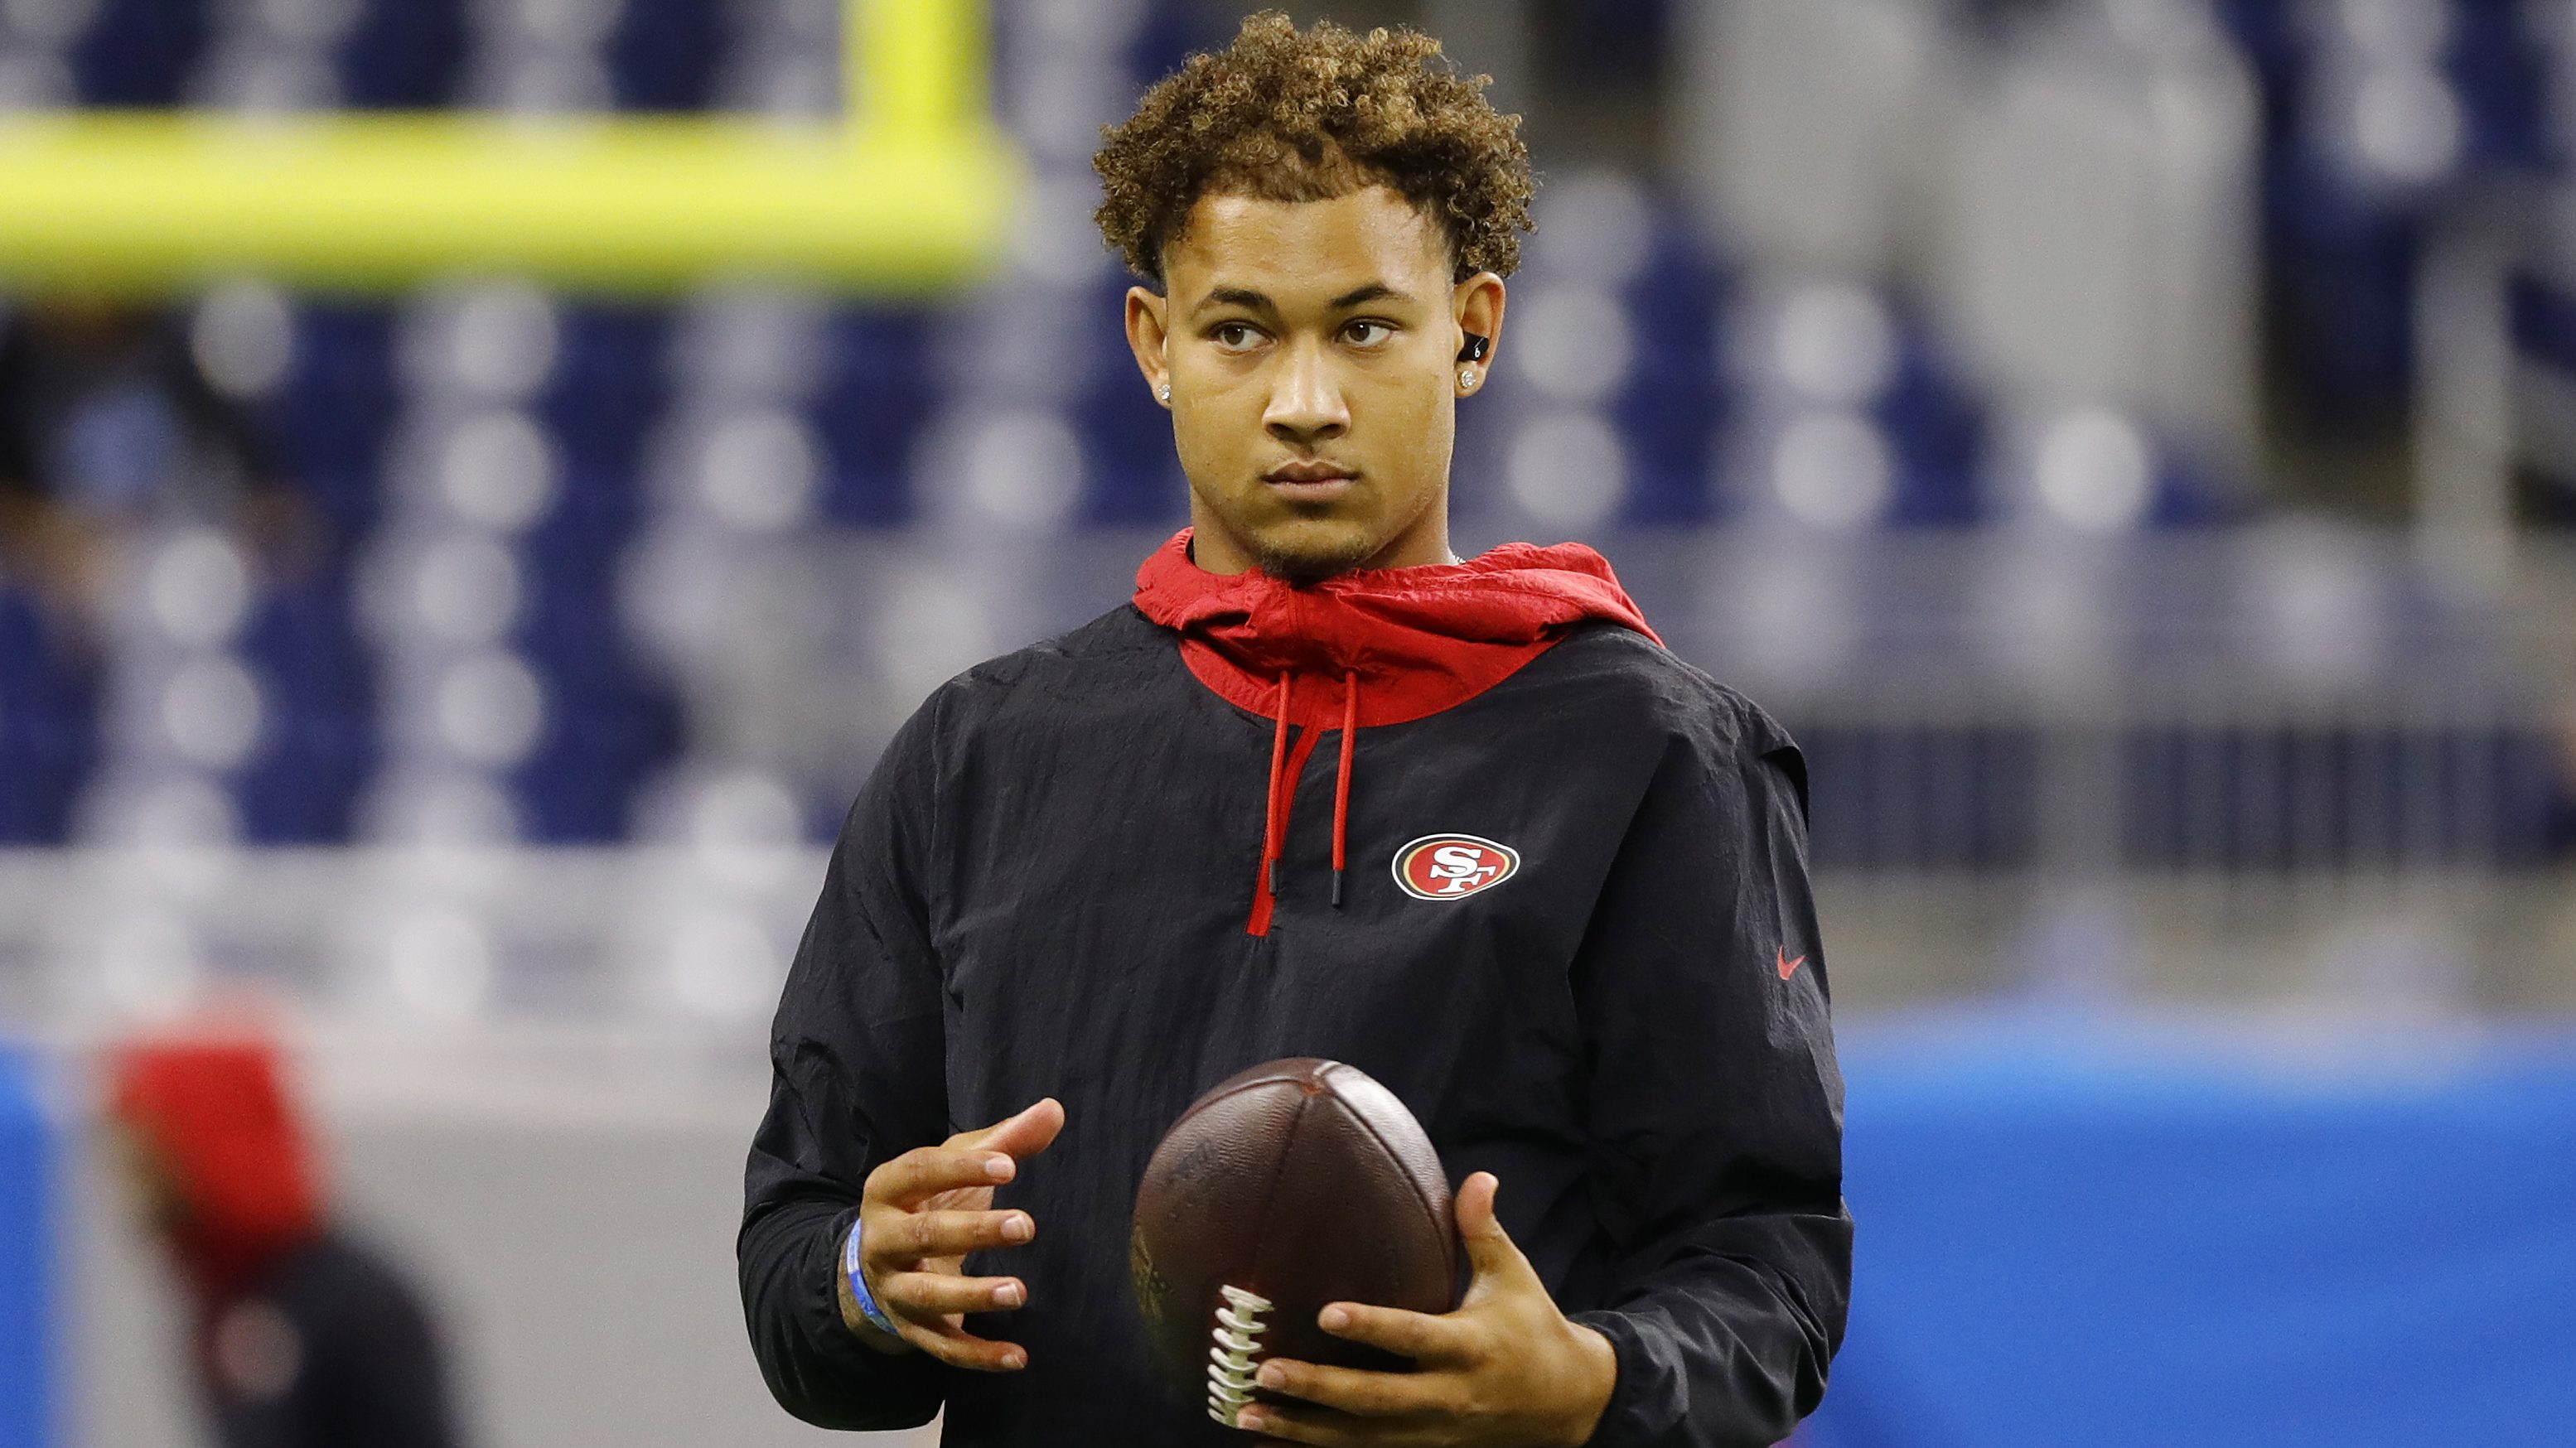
(1294, 1184)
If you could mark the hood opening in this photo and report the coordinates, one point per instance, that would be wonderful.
(1402, 643)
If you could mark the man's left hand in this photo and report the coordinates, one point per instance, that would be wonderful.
(1506, 1370)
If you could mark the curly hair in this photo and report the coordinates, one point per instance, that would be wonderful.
(1285, 116)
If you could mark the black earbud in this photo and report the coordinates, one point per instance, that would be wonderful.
(1475, 349)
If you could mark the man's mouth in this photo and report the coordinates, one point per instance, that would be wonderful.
(1312, 481)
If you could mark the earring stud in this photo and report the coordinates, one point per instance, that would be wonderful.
(1467, 377)
(1167, 392)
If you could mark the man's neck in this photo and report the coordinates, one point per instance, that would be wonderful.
(1216, 551)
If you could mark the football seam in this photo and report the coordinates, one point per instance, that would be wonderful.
(1204, 1102)
(1430, 1211)
(1278, 1168)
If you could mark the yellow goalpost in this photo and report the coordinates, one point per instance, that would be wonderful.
(910, 191)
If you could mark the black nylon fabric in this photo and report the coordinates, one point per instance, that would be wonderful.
(1043, 891)
(342, 1354)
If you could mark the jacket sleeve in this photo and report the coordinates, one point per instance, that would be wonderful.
(396, 1372)
(858, 1076)
(1715, 1106)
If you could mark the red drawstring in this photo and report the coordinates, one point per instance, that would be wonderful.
(1286, 767)
(1274, 824)
(1342, 783)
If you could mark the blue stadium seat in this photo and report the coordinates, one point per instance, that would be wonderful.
(1938, 430)
(608, 386)
(319, 686)
(2543, 313)
(2343, 272)
(1169, 32)
(404, 55)
(138, 52)
(328, 420)
(2500, 68)
(1674, 404)
(1897, 797)
(869, 409)
(664, 54)
(578, 786)
(2341, 243)
(1133, 476)
(2544, 321)
(2193, 491)
(48, 725)
(2337, 797)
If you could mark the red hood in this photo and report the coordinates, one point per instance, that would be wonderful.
(215, 1115)
(1419, 640)
(1366, 649)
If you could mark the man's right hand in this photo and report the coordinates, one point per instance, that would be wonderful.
(920, 1214)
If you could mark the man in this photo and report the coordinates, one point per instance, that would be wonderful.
(109, 417)
(301, 1337)
(1551, 888)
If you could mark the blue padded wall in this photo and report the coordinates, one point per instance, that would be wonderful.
(27, 1319)
(2070, 1232)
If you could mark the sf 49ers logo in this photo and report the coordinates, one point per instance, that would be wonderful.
(1451, 867)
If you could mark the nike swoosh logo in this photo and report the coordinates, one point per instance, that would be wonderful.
(1788, 967)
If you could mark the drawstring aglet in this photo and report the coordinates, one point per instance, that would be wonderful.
(1337, 889)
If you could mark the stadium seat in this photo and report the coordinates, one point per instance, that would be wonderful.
(301, 786)
(404, 55)
(48, 723)
(663, 55)
(869, 408)
(138, 52)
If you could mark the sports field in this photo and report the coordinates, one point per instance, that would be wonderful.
(482, 484)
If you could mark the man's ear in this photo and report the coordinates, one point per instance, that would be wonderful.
(1146, 338)
(1477, 306)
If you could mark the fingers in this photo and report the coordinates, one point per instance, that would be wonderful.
(926, 1171)
(1023, 1135)
(900, 1239)
(1420, 1336)
(957, 1347)
(910, 1204)
(1029, 1132)
(1362, 1394)
(938, 1294)
(1489, 1248)
(1282, 1424)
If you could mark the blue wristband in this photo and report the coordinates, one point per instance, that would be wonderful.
(859, 1284)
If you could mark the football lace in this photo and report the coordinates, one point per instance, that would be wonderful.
(1238, 1337)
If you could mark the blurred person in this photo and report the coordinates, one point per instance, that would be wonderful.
(301, 1336)
(2561, 825)
(108, 420)
(1549, 885)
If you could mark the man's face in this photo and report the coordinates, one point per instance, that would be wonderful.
(147, 1175)
(1312, 350)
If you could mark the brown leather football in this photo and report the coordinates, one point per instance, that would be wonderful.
(1291, 1185)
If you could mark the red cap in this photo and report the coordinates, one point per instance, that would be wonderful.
(214, 1112)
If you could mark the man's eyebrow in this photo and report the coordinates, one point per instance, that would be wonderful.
(1244, 297)
(1373, 292)
(1250, 300)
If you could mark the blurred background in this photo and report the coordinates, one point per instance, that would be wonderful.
(2131, 443)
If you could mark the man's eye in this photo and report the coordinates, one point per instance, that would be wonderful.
(1368, 334)
(1233, 336)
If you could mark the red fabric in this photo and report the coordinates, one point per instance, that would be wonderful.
(1420, 640)
(1405, 644)
(1342, 782)
(215, 1115)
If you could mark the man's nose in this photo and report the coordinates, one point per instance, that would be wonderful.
(1306, 404)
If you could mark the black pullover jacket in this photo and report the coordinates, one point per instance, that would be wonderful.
(1098, 869)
